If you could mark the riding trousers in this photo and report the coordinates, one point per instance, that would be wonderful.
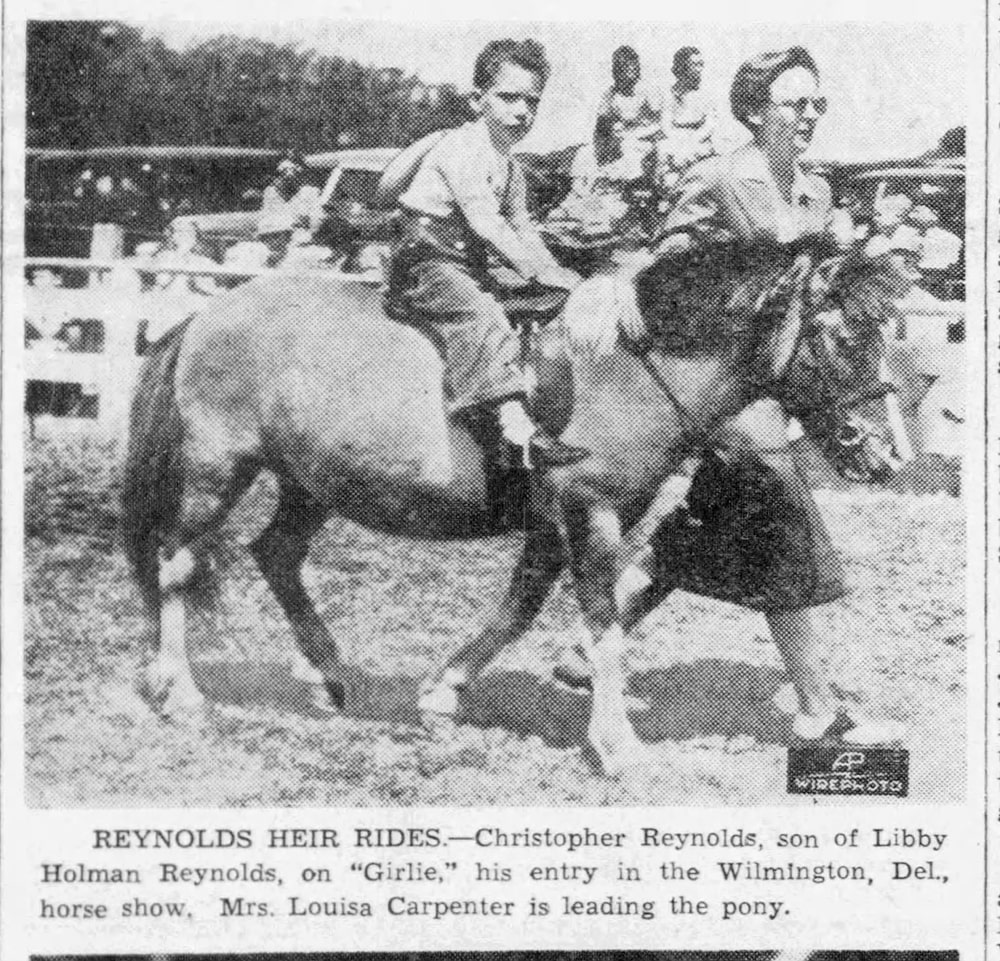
(449, 302)
(751, 532)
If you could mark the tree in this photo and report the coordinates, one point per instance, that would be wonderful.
(102, 83)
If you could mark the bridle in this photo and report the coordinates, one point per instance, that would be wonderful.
(810, 351)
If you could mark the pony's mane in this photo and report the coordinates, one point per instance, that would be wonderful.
(717, 294)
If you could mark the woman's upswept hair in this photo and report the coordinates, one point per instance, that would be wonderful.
(527, 54)
(624, 54)
(751, 89)
(681, 58)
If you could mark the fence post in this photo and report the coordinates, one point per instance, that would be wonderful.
(107, 242)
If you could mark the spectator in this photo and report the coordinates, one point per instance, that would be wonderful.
(290, 210)
(628, 119)
(689, 122)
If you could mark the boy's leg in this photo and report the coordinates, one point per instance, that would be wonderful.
(482, 354)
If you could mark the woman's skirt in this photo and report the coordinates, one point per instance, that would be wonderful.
(751, 536)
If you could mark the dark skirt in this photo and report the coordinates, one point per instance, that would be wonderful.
(751, 536)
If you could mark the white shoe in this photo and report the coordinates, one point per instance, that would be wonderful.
(849, 728)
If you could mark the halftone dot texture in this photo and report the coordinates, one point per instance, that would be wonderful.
(703, 673)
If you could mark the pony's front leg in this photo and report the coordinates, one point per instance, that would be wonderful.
(541, 562)
(594, 533)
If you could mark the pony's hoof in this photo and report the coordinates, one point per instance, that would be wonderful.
(438, 700)
(305, 673)
(615, 763)
(786, 699)
(618, 752)
(441, 727)
(442, 696)
(183, 706)
(337, 692)
(157, 685)
(144, 689)
(326, 698)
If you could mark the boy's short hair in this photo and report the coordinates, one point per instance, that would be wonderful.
(751, 89)
(527, 54)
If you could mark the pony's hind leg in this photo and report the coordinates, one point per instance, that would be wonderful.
(209, 493)
(280, 552)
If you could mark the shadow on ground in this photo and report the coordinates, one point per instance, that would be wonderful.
(704, 698)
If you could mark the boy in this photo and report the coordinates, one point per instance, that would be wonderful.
(465, 207)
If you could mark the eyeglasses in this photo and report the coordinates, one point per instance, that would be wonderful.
(799, 106)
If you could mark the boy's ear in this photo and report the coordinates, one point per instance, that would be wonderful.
(476, 101)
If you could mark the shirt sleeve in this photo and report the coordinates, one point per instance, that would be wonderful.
(696, 209)
(468, 181)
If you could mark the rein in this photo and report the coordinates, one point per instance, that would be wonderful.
(809, 334)
(689, 425)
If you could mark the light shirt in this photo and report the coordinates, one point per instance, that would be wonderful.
(464, 179)
(463, 172)
(637, 109)
(736, 192)
(278, 215)
(688, 125)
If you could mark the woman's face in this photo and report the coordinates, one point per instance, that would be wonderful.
(788, 122)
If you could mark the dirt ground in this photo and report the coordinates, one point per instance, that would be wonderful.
(705, 670)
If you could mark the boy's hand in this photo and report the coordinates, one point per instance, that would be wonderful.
(560, 277)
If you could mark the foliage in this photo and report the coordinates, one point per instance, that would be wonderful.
(101, 83)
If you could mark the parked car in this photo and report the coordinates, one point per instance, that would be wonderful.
(141, 189)
(346, 180)
(936, 180)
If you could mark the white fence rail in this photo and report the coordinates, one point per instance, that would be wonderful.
(82, 348)
(86, 340)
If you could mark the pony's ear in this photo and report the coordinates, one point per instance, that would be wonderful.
(780, 345)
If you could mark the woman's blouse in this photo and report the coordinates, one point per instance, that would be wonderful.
(736, 192)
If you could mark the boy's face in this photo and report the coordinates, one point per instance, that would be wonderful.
(509, 105)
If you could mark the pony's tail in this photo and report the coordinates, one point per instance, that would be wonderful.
(152, 476)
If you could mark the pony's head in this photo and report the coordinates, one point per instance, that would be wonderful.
(829, 357)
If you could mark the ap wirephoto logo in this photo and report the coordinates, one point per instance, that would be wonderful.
(878, 771)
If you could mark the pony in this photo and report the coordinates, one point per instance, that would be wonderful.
(306, 377)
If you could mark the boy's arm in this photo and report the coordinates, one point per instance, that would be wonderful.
(481, 209)
(525, 227)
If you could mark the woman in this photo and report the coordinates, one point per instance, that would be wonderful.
(688, 120)
(757, 538)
